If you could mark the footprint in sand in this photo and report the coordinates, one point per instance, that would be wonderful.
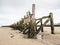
(11, 35)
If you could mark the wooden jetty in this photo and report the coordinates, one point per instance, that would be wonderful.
(29, 23)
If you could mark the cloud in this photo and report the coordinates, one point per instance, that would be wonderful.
(50, 4)
(11, 15)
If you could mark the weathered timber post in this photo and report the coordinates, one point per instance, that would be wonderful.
(33, 10)
(31, 32)
(51, 22)
(41, 26)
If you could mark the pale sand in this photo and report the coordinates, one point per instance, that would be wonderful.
(8, 36)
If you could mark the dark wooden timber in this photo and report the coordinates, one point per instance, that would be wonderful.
(41, 26)
(52, 24)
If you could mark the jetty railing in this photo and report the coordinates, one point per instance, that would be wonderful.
(50, 18)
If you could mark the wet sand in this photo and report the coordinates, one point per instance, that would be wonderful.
(8, 36)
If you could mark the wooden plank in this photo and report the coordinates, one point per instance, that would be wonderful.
(38, 22)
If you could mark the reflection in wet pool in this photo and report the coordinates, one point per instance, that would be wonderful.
(39, 36)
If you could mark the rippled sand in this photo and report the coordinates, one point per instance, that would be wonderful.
(8, 36)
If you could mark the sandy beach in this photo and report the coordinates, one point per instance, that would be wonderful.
(9, 36)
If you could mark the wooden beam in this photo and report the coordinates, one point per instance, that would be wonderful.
(46, 22)
(38, 21)
(41, 26)
(52, 24)
(45, 17)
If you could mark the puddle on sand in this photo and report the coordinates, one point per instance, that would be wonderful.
(37, 36)
(25, 36)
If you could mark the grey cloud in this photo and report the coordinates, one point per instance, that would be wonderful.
(27, 3)
(12, 3)
(48, 4)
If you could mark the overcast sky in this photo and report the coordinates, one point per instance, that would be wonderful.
(13, 10)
